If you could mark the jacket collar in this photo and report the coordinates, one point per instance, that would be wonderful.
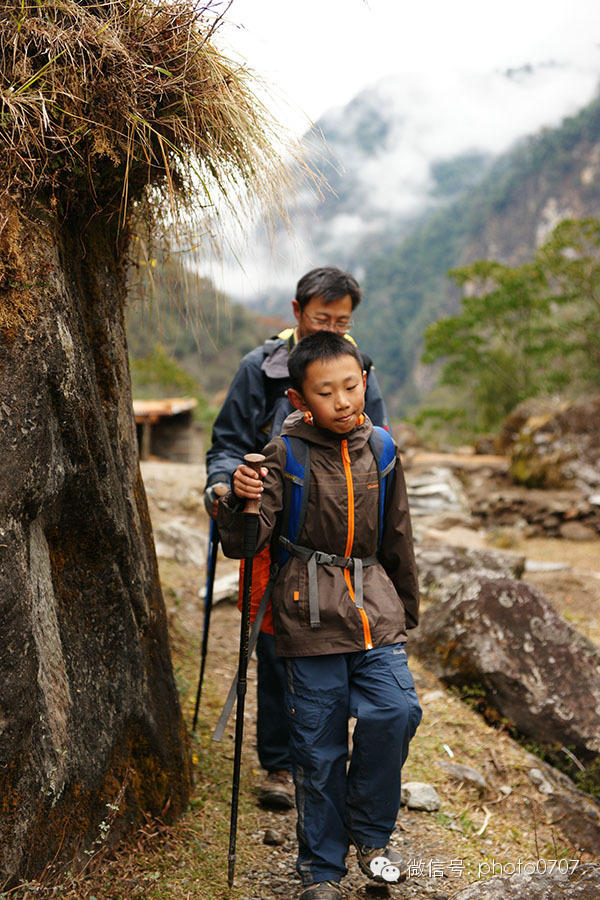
(296, 426)
(277, 350)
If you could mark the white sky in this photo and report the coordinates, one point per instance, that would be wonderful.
(316, 54)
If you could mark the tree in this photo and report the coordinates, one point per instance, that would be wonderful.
(571, 260)
(524, 330)
(112, 113)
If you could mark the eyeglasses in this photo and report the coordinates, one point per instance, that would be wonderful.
(324, 322)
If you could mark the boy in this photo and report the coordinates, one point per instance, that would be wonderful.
(340, 618)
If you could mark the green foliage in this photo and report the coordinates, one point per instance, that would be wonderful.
(523, 331)
(158, 375)
(589, 779)
(572, 259)
(200, 335)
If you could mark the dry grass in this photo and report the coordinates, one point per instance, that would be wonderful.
(106, 103)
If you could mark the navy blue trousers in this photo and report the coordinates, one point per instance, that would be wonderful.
(272, 731)
(322, 692)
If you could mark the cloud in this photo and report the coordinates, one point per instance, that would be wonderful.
(429, 118)
(379, 153)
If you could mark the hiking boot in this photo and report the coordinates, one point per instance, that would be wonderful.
(380, 863)
(324, 890)
(277, 790)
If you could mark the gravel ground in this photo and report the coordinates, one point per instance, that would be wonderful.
(519, 827)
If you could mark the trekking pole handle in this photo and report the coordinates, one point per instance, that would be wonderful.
(254, 461)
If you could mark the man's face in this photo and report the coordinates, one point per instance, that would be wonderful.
(334, 392)
(320, 316)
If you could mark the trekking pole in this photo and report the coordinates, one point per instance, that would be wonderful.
(211, 564)
(251, 510)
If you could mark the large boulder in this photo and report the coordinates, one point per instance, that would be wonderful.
(536, 670)
(558, 448)
(442, 567)
(529, 885)
(574, 812)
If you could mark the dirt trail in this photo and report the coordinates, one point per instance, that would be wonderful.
(471, 833)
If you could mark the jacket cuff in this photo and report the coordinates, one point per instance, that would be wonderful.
(219, 478)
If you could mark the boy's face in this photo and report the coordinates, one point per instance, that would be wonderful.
(334, 392)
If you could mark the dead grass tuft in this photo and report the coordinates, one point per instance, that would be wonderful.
(20, 311)
(105, 104)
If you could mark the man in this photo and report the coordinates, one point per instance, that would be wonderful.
(253, 413)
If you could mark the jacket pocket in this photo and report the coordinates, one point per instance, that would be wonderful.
(301, 596)
(291, 595)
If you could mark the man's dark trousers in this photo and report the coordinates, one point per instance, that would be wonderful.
(377, 688)
(272, 731)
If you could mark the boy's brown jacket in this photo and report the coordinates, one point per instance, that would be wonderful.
(341, 519)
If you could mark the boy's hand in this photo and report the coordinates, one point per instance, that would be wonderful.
(247, 484)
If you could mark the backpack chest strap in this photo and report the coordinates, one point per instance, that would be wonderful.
(314, 558)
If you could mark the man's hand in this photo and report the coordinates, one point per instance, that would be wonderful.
(247, 484)
(211, 497)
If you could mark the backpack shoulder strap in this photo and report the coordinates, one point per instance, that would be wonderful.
(296, 489)
(384, 450)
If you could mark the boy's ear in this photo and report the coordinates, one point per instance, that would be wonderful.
(296, 399)
(364, 380)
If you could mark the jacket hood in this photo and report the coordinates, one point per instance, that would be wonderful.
(296, 426)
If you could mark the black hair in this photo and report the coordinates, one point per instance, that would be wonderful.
(321, 345)
(329, 284)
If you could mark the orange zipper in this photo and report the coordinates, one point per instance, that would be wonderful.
(350, 541)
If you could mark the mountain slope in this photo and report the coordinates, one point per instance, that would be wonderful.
(525, 193)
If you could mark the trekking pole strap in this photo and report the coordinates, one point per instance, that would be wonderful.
(260, 614)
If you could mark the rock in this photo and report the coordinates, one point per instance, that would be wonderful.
(534, 407)
(225, 588)
(419, 795)
(442, 568)
(405, 435)
(559, 447)
(450, 520)
(556, 886)
(544, 510)
(535, 565)
(576, 813)
(577, 531)
(486, 445)
(535, 669)
(433, 491)
(430, 696)
(578, 817)
(273, 838)
(541, 783)
(464, 773)
(179, 541)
